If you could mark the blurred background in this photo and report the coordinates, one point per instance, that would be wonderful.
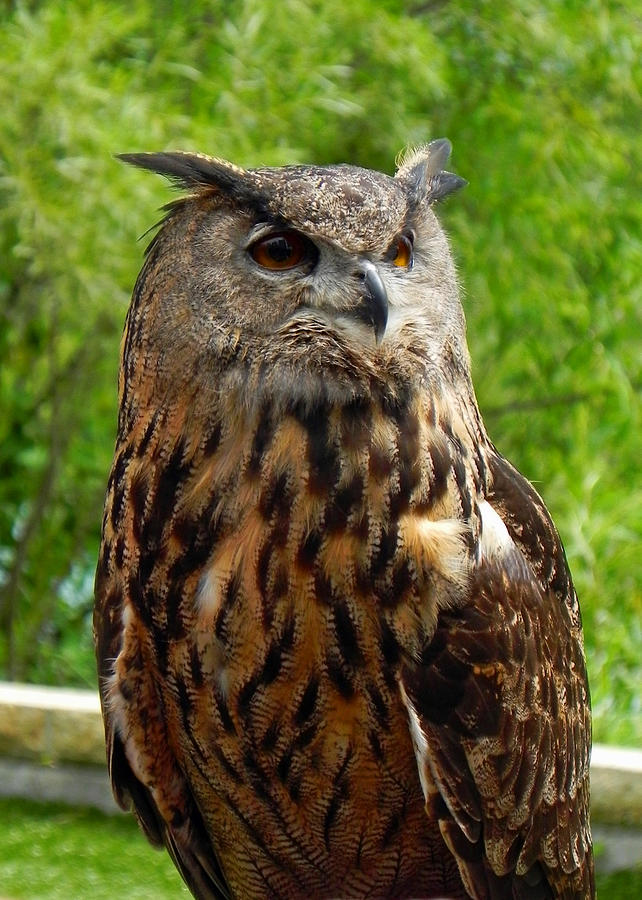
(542, 101)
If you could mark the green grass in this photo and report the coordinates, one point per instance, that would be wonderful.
(54, 852)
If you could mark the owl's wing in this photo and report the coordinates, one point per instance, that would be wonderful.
(144, 775)
(499, 712)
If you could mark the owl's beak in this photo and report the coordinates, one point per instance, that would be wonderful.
(375, 301)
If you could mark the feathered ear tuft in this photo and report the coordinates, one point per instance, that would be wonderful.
(194, 170)
(423, 170)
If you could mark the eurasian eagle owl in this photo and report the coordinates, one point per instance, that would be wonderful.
(339, 648)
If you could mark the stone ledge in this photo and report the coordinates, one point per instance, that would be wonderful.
(51, 725)
(62, 727)
(616, 785)
(73, 785)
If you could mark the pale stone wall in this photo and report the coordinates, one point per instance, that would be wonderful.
(51, 725)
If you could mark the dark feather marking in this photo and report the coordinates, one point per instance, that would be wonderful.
(163, 500)
(464, 493)
(198, 538)
(375, 743)
(257, 776)
(109, 635)
(441, 466)
(391, 830)
(195, 667)
(276, 496)
(323, 457)
(138, 494)
(119, 486)
(263, 568)
(212, 441)
(363, 579)
(280, 530)
(379, 463)
(287, 635)
(246, 694)
(330, 816)
(272, 664)
(340, 677)
(340, 793)
(281, 582)
(137, 598)
(386, 549)
(261, 441)
(305, 736)
(341, 505)
(346, 633)
(379, 705)
(389, 644)
(119, 554)
(394, 403)
(309, 548)
(223, 710)
(294, 788)
(308, 701)
(402, 582)
(408, 455)
(271, 736)
(104, 559)
(232, 590)
(141, 449)
(283, 765)
(145, 568)
(356, 423)
(176, 624)
(323, 590)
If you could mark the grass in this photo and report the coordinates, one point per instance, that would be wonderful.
(54, 852)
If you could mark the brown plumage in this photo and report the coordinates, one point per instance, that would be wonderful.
(340, 652)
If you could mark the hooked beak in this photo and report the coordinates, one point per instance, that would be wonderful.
(374, 309)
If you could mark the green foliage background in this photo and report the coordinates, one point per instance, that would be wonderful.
(542, 103)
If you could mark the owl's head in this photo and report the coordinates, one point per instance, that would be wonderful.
(317, 260)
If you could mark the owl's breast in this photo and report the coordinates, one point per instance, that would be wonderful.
(286, 711)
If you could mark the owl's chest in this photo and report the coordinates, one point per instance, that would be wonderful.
(305, 772)
(292, 726)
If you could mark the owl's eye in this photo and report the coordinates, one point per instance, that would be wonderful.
(282, 250)
(401, 252)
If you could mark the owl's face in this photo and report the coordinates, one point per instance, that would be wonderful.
(276, 255)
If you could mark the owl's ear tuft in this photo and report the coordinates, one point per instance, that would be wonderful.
(422, 169)
(193, 170)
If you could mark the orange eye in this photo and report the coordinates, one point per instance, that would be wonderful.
(280, 250)
(401, 253)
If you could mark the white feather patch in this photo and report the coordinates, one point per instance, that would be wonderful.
(419, 741)
(495, 541)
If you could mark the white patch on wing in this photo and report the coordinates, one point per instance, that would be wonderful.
(495, 541)
(419, 741)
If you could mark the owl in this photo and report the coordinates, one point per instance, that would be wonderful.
(339, 649)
